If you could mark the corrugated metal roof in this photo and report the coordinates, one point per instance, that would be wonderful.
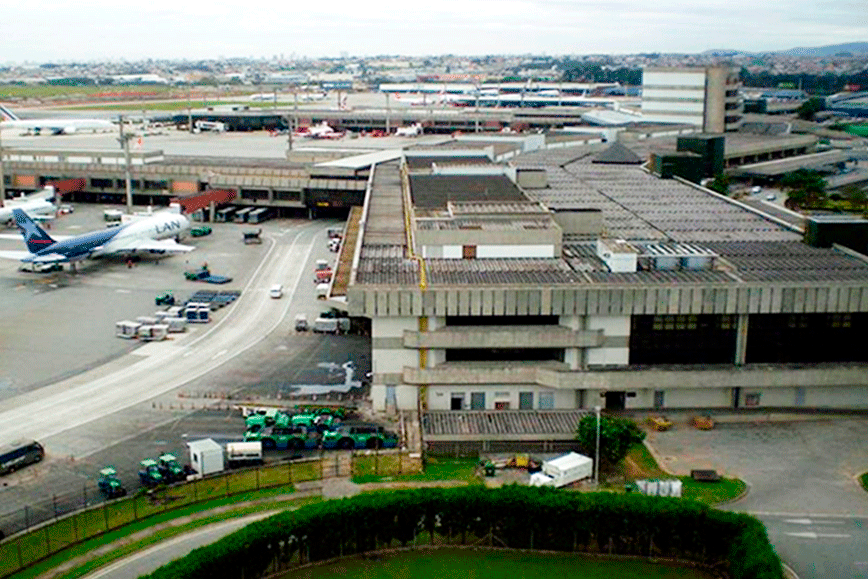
(486, 424)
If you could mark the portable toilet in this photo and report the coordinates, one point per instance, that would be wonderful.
(206, 456)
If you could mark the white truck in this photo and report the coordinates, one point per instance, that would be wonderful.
(240, 454)
(563, 470)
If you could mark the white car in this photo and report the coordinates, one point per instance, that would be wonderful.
(276, 291)
(771, 197)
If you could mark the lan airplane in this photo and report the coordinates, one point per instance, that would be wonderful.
(39, 206)
(146, 235)
(68, 126)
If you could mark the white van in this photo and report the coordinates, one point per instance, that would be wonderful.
(276, 291)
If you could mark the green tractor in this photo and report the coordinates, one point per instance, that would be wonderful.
(165, 299)
(110, 484)
(170, 468)
(149, 473)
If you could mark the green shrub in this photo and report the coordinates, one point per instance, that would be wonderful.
(519, 517)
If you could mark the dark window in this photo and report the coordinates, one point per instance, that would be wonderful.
(809, 338)
(469, 252)
(683, 339)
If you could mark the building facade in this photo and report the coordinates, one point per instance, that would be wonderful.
(707, 97)
(598, 285)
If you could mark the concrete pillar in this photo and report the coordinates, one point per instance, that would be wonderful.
(741, 339)
(212, 210)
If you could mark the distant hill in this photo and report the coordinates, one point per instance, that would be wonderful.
(830, 50)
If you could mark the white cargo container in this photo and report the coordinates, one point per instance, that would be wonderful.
(243, 453)
(206, 456)
(563, 470)
(127, 329)
(176, 325)
(153, 332)
(147, 320)
(325, 326)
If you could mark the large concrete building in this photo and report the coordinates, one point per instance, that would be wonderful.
(707, 97)
(558, 282)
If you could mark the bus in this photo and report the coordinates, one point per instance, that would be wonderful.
(19, 454)
(258, 215)
(226, 215)
(241, 214)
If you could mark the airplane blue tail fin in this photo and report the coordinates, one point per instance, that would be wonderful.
(34, 236)
(7, 115)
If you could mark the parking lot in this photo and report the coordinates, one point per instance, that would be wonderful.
(64, 324)
(796, 466)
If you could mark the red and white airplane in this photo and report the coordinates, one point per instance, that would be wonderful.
(320, 131)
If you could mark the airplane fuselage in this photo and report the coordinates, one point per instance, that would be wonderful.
(116, 239)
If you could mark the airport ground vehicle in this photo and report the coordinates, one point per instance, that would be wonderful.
(170, 468)
(109, 483)
(165, 299)
(267, 417)
(301, 323)
(239, 454)
(149, 473)
(276, 291)
(200, 231)
(204, 274)
(284, 437)
(318, 422)
(362, 435)
(252, 236)
(19, 454)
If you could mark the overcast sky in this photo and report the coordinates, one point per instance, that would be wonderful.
(57, 30)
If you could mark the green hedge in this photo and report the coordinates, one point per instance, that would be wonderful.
(515, 517)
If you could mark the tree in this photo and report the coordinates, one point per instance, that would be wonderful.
(811, 107)
(617, 435)
(720, 184)
(804, 187)
(856, 196)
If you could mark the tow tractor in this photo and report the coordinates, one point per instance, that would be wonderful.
(170, 468)
(204, 274)
(149, 473)
(109, 483)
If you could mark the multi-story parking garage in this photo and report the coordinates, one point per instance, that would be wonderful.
(559, 283)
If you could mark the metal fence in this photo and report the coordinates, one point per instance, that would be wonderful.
(60, 521)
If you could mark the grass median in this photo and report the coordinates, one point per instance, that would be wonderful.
(163, 529)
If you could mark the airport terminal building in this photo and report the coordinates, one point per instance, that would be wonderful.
(572, 278)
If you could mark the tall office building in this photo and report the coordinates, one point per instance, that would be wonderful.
(703, 96)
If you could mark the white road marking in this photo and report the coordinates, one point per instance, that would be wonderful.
(812, 535)
(123, 291)
(798, 521)
(218, 354)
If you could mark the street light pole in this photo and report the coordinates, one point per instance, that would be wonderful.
(597, 461)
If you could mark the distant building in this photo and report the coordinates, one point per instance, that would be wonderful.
(707, 97)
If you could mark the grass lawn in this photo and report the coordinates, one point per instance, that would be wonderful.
(641, 465)
(117, 534)
(435, 469)
(493, 564)
(33, 545)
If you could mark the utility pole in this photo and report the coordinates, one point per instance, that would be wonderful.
(124, 140)
(388, 115)
(288, 135)
(190, 108)
(597, 461)
(2, 173)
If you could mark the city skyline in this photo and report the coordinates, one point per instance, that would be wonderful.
(92, 30)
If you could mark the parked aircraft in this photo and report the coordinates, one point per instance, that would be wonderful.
(145, 235)
(39, 206)
(413, 130)
(320, 131)
(65, 126)
(213, 126)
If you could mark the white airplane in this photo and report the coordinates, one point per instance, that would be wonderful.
(39, 206)
(149, 234)
(413, 130)
(320, 131)
(65, 126)
(212, 126)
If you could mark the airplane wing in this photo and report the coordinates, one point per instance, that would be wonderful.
(152, 245)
